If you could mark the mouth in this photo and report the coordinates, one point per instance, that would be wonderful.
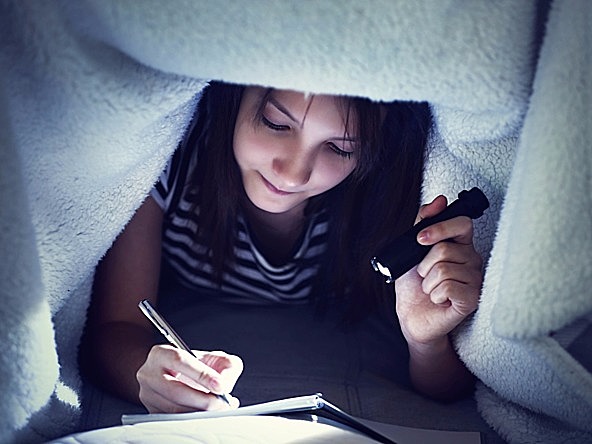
(273, 189)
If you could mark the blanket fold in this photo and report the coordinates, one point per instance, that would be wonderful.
(95, 95)
(551, 176)
(540, 272)
(25, 327)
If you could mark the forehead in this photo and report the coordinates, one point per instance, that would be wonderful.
(305, 103)
(333, 110)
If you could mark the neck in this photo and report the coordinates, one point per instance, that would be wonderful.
(276, 234)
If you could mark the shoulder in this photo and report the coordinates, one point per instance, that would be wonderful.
(175, 179)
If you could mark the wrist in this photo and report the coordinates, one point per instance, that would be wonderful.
(436, 371)
(422, 340)
(430, 348)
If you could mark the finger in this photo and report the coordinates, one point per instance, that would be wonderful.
(177, 361)
(463, 299)
(172, 395)
(176, 390)
(155, 403)
(458, 229)
(436, 206)
(450, 252)
(228, 366)
(448, 271)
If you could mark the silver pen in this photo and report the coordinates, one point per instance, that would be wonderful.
(167, 331)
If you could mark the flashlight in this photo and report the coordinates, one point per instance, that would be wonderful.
(403, 253)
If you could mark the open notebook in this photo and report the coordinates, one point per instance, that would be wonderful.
(317, 405)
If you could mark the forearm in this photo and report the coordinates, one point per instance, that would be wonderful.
(436, 371)
(118, 337)
(113, 353)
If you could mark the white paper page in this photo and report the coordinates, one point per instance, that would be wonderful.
(399, 434)
(299, 403)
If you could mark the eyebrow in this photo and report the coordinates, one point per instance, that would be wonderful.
(285, 111)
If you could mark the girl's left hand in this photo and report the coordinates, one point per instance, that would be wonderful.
(436, 295)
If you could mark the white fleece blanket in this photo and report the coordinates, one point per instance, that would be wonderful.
(95, 94)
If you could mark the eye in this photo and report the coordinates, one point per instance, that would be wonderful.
(339, 151)
(274, 126)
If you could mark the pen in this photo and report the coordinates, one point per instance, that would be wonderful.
(167, 331)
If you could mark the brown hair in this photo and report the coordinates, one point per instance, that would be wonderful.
(378, 201)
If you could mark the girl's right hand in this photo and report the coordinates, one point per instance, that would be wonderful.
(173, 381)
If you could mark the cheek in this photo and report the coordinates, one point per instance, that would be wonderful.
(332, 169)
(249, 147)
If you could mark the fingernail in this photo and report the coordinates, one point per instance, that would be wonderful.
(422, 236)
(215, 384)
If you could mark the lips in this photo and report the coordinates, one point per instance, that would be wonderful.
(273, 189)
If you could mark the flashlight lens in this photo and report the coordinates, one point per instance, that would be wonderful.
(381, 269)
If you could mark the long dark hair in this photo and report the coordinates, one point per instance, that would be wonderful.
(378, 201)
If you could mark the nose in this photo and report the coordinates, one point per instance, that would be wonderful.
(293, 167)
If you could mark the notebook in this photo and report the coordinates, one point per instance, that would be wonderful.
(317, 405)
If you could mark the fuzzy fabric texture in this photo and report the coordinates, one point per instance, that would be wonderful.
(538, 278)
(95, 94)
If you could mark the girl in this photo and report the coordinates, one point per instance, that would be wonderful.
(274, 196)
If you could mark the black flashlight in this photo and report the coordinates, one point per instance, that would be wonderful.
(404, 253)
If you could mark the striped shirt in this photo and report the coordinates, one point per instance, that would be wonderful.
(252, 277)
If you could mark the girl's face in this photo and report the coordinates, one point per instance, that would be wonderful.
(297, 147)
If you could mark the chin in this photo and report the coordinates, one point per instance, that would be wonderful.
(276, 207)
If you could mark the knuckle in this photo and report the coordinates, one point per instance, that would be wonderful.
(422, 269)
(142, 397)
(203, 376)
(441, 271)
(447, 287)
(209, 403)
(154, 352)
(440, 250)
(465, 223)
(162, 352)
(426, 286)
(141, 376)
(439, 294)
(175, 356)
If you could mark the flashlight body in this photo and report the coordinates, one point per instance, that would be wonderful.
(402, 254)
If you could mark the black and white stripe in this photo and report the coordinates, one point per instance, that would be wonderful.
(251, 277)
